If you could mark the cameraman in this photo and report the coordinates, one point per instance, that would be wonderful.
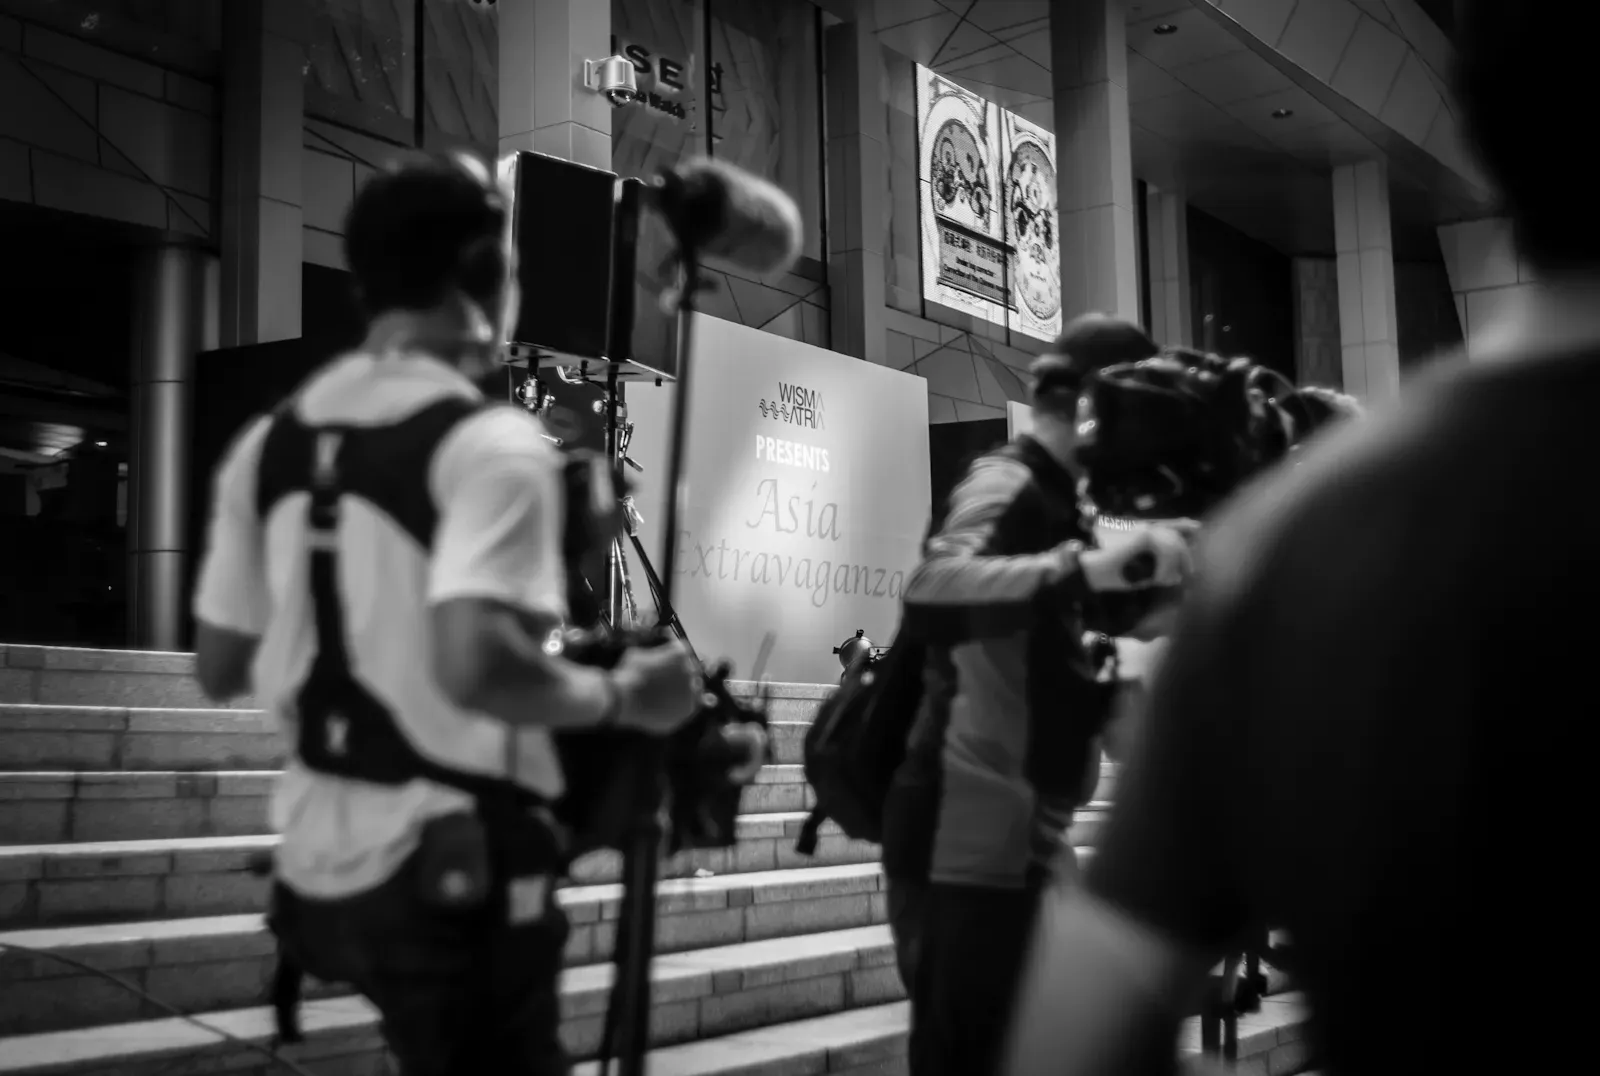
(384, 570)
(1014, 702)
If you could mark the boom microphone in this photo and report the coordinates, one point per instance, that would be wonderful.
(721, 211)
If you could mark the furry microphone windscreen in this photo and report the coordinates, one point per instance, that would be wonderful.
(731, 215)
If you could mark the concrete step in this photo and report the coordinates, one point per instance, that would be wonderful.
(872, 1042)
(694, 995)
(867, 1040)
(66, 676)
(58, 884)
(36, 738)
(39, 737)
(225, 961)
(48, 807)
(41, 808)
(88, 882)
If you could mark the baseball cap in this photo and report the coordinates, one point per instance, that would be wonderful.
(1089, 342)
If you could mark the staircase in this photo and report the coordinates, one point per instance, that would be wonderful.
(129, 811)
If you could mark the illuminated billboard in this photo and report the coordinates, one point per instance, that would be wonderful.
(990, 230)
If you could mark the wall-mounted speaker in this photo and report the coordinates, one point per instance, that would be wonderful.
(562, 220)
(646, 336)
(589, 254)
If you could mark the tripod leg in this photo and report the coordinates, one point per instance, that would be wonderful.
(630, 605)
(668, 615)
(641, 867)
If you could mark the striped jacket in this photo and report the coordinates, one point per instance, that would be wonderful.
(1003, 745)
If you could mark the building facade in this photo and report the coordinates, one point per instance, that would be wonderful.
(1283, 179)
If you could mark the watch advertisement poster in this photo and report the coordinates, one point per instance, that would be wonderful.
(963, 228)
(1032, 227)
(990, 227)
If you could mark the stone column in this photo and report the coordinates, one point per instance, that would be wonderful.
(1485, 270)
(1094, 156)
(175, 317)
(858, 186)
(544, 105)
(263, 119)
(1171, 314)
(1369, 339)
(1318, 355)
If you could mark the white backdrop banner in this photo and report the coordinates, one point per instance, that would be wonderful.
(1019, 418)
(806, 501)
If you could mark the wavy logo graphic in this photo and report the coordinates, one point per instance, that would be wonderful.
(796, 405)
(774, 410)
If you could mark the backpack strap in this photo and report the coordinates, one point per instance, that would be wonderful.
(806, 843)
(1046, 470)
(288, 980)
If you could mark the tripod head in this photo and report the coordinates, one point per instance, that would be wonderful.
(533, 395)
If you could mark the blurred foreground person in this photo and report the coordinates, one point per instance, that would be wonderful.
(1017, 688)
(1341, 716)
(383, 569)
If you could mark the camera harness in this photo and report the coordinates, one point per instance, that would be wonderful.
(344, 731)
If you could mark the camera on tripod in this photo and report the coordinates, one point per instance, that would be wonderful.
(1172, 436)
(592, 322)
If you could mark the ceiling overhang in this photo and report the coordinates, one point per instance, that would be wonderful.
(1382, 67)
(1214, 110)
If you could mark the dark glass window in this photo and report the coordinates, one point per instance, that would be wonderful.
(765, 92)
(362, 56)
(1443, 13)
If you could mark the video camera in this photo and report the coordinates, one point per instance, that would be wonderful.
(1172, 436)
(611, 773)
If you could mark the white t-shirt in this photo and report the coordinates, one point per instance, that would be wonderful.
(495, 481)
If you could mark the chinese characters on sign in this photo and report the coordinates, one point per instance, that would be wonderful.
(990, 244)
(973, 263)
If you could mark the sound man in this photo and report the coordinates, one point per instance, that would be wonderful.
(383, 570)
